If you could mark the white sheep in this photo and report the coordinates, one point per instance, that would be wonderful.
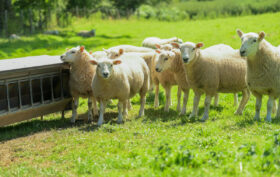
(263, 70)
(99, 54)
(172, 60)
(151, 42)
(165, 78)
(120, 79)
(214, 70)
(113, 52)
(80, 82)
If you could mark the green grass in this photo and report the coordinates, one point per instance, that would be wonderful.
(159, 144)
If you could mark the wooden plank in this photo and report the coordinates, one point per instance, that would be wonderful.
(32, 62)
(32, 112)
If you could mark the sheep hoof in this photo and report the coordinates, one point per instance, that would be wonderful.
(202, 120)
(268, 119)
(166, 109)
(257, 118)
(119, 121)
(73, 120)
(238, 113)
(99, 124)
(89, 121)
(191, 116)
(182, 113)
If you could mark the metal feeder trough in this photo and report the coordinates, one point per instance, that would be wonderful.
(32, 87)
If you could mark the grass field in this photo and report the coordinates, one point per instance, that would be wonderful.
(159, 144)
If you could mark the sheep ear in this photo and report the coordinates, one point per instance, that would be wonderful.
(158, 51)
(90, 52)
(261, 36)
(93, 62)
(157, 46)
(239, 32)
(121, 51)
(82, 48)
(117, 62)
(175, 45)
(199, 45)
(105, 50)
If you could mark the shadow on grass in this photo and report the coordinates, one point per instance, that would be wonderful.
(109, 117)
(212, 108)
(244, 123)
(36, 125)
(153, 114)
(113, 37)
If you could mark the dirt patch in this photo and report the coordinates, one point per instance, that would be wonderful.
(18, 150)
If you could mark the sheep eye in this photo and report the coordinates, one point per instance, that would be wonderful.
(165, 59)
(255, 40)
(98, 66)
(73, 52)
(193, 49)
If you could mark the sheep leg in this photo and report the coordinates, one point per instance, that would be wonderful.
(278, 110)
(244, 100)
(95, 108)
(195, 105)
(168, 98)
(207, 103)
(142, 107)
(216, 100)
(185, 101)
(101, 114)
(235, 99)
(269, 108)
(258, 107)
(120, 107)
(179, 91)
(128, 105)
(156, 101)
(90, 110)
(75, 104)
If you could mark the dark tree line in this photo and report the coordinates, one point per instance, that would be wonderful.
(34, 15)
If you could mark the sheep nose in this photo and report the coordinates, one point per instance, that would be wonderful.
(157, 70)
(61, 57)
(242, 53)
(105, 74)
(186, 59)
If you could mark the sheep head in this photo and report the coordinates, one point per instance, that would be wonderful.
(188, 50)
(250, 43)
(114, 53)
(105, 67)
(164, 60)
(71, 54)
